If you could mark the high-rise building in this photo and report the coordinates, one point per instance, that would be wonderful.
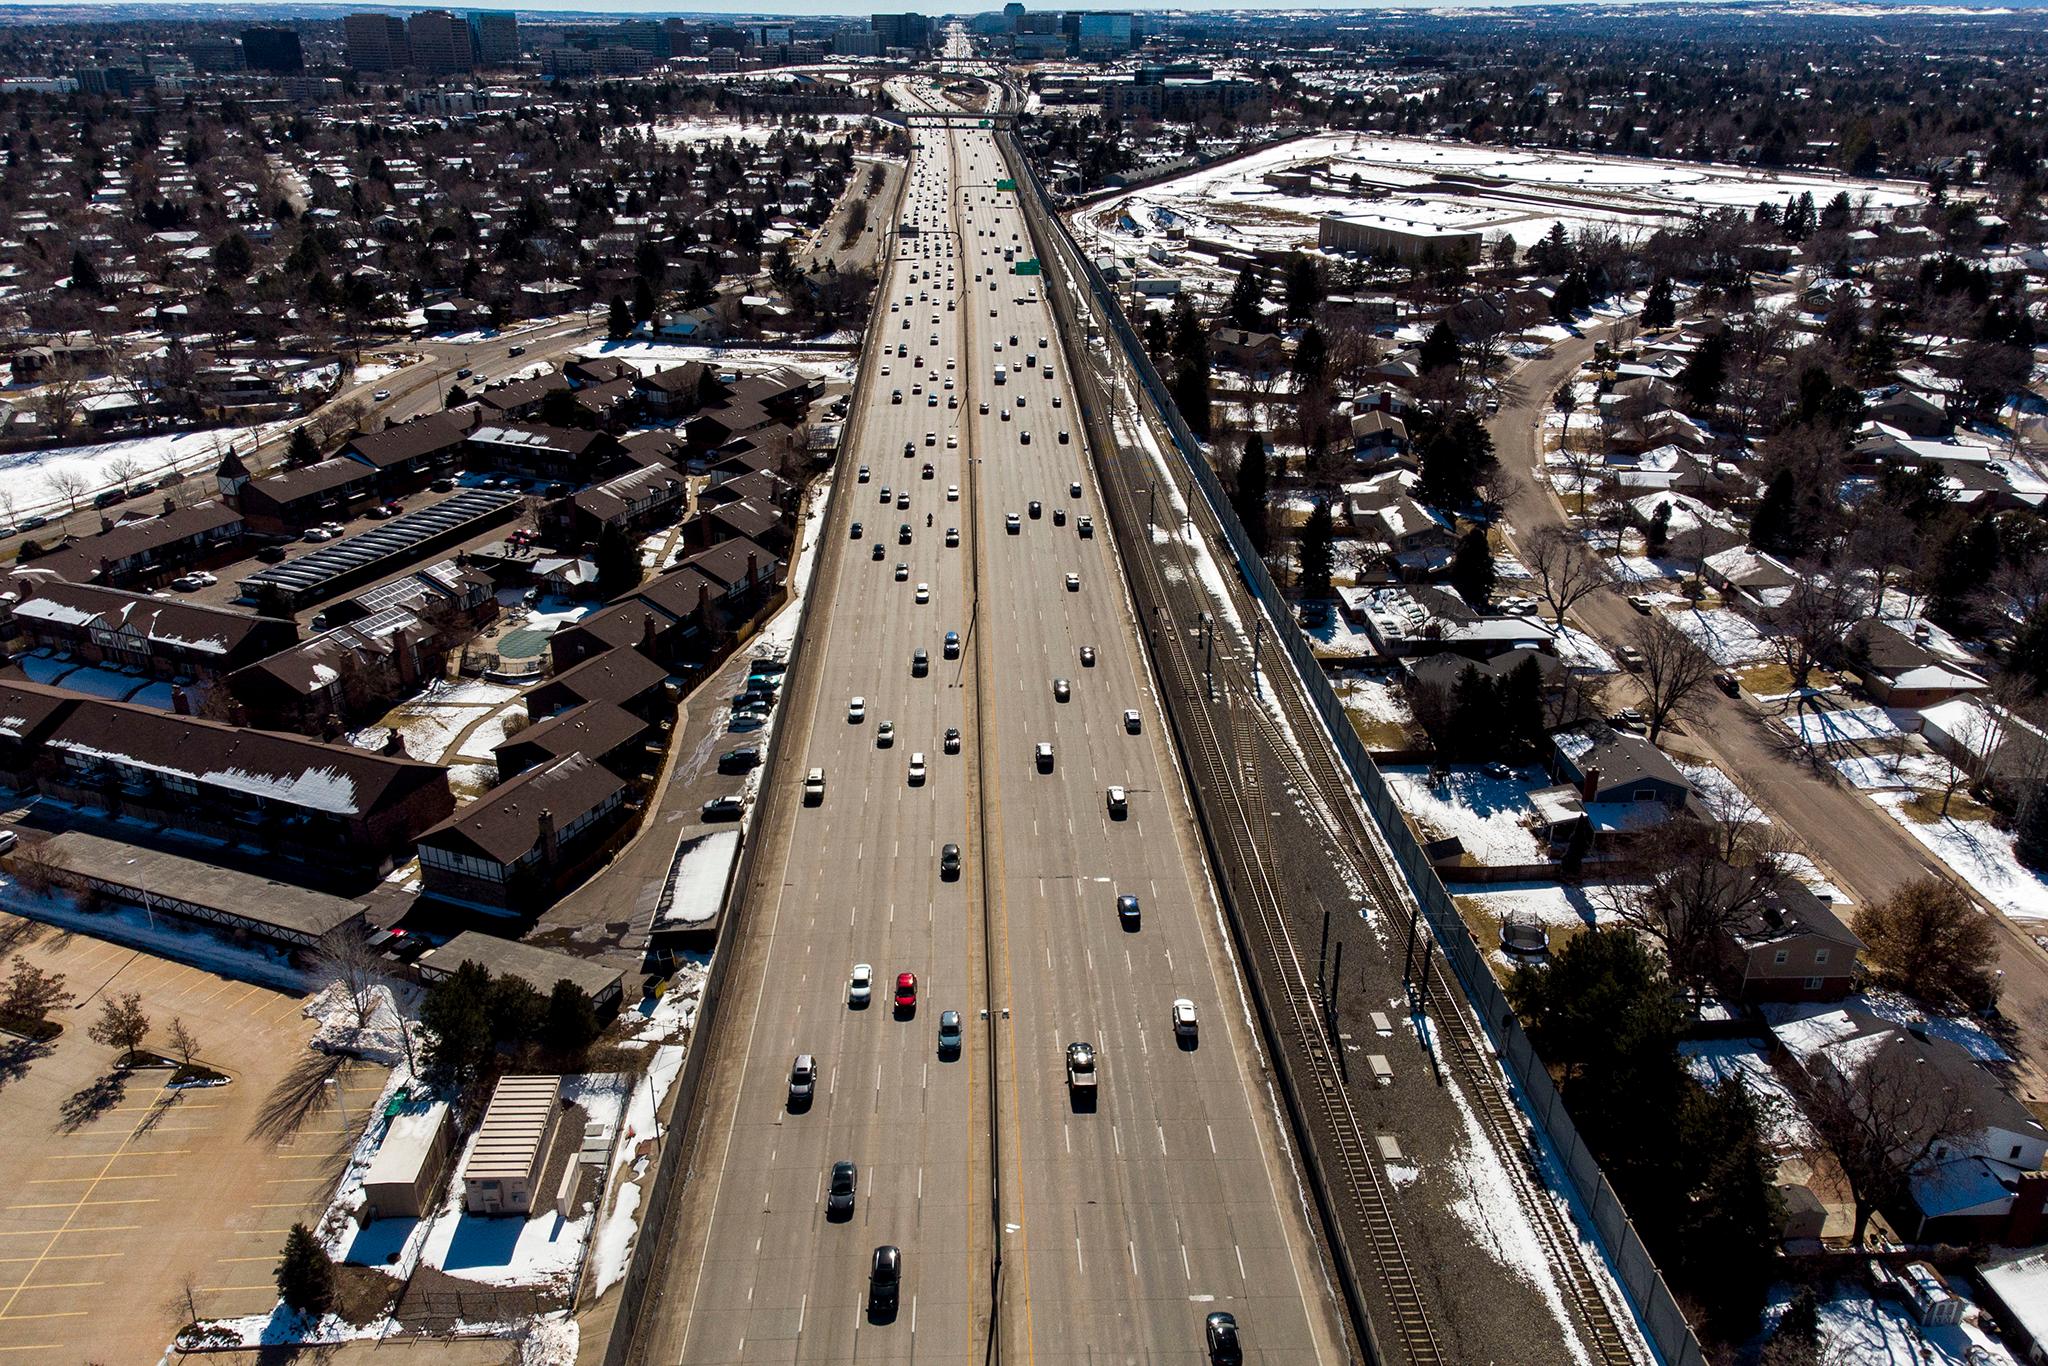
(440, 43)
(902, 30)
(494, 35)
(1105, 31)
(1013, 14)
(376, 42)
(857, 42)
(214, 54)
(272, 49)
(642, 34)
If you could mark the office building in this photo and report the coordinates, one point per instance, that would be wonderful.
(272, 49)
(440, 43)
(214, 54)
(902, 30)
(494, 36)
(376, 42)
(1104, 32)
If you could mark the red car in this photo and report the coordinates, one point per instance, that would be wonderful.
(906, 991)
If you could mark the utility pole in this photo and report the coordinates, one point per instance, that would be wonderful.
(1258, 634)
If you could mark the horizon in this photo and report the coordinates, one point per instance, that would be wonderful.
(552, 9)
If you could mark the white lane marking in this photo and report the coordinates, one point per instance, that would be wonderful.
(1162, 1138)
(801, 1310)
(1240, 1262)
(1212, 1138)
(1134, 1256)
(1184, 1268)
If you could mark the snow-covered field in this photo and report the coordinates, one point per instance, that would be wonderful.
(1842, 726)
(648, 357)
(1485, 814)
(1551, 904)
(1857, 1329)
(1729, 638)
(27, 475)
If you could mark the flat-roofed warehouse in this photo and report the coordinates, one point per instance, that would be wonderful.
(1408, 238)
(404, 1178)
(260, 908)
(509, 1159)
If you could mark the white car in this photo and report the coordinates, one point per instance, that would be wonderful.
(1073, 583)
(860, 987)
(1184, 1018)
(917, 768)
(1119, 802)
(924, 593)
(1133, 723)
(381, 395)
(952, 493)
(319, 533)
(885, 735)
(857, 710)
(952, 441)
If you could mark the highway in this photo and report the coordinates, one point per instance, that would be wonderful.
(1125, 1222)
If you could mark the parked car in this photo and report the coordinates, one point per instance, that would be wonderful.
(724, 808)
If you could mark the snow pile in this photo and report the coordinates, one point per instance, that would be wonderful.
(375, 1034)
(1484, 814)
(1715, 1062)
(669, 1017)
(1729, 638)
(551, 1342)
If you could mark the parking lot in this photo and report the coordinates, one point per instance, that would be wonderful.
(123, 1202)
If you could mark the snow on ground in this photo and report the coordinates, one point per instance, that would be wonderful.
(551, 1341)
(1581, 651)
(1485, 814)
(648, 357)
(375, 1035)
(1724, 799)
(1337, 638)
(1841, 726)
(138, 929)
(1551, 904)
(1857, 1329)
(27, 474)
(668, 1017)
(1729, 638)
(1980, 855)
(612, 1247)
(1718, 1061)
(1882, 772)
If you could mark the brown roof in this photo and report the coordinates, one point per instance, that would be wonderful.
(28, 709)
(676, 593)
(726, 562)
(80, 560)
(410, 440)
(616, 676)
(163, 621)
(309, 480)
(595, 729)
(504, 823)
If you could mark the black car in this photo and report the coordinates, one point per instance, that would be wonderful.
(840, 1189)
(949, 862)
(1221, 1331)
(854, 531)
(739, 760)
(724, 809)
(885, 1276)
(1127, 913)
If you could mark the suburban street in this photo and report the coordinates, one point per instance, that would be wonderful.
(1861, 847)
(1167, 1198)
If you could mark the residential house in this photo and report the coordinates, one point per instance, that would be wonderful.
(163, 637)
(410, 452)
(1253, 353)
(28, 713)
(1900, 672)
(623, 677)
(342, 677)
(519, 846)
(1751, 577)
(1788, 944)
(678, 391)
(520, 399)
(562, 453)
(1377, 436)
(1611, 767)
(634, 502)
(147, 549)
(286, 503)
(607, 733)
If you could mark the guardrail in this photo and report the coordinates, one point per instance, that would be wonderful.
(1656, 1310)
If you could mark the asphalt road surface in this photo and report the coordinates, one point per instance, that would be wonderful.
(1124, 1222)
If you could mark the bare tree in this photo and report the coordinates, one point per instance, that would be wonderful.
(57, 400)
(1688, 885)
(1564, 571)
(1881, 1111)
(184, 1043)
(1675, 672)
(122, 1025)
(1811, 622)
(67, 483)
(346, 958)
(124, 469)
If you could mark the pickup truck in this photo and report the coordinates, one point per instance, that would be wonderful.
(1081, 1070)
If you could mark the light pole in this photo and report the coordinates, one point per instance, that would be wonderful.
(340, 1106)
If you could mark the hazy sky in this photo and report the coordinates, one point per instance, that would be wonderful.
(771, 8)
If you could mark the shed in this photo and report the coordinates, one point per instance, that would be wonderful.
(510, 1155)
(406, 1173)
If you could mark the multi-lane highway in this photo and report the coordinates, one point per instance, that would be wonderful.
(1121, 1223)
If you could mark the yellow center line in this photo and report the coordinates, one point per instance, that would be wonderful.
(58, 1314)
(65, 1257)
(32, 1347)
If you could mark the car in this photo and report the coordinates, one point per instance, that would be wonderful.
(903, 501)
(924, 593)
(1024, 437)
(1087, 528)
(1060, 691)
(887, 497)
(319, 533)
(1119, 803)
(1127, 913)
(917, 769)
(724, 809)
(463, 373)
(1081, 1070)
(1728, 683)
(885, 1279)
(739, 760)
(1056, 401)
(854, 531)
(860, 984)
(1219, 1330)
(381, 395)
(814, 787)
(885, 735)
(920, 663)
(952, 740)
(443, 485)
(906, 991)
(952, 493)
(952, 438)
(803, 1081)
(863, 476)
(984, 407)
(1073, 583)
(1184, 1018)
(1133, 723)
(952, 645)
(1074, 489)
(1013, 524)
(856, 710)
(902, 571)
(1036, 509)
(840, 1188)
(1087, 656)
(895, 395)
(1042, 755)
(949, 862)
(881, 552)
(1631, 658)
(1640, 603)
(952, 537)
(515, 350)
(1004, 415)
(949, 1031)
(1059, 516)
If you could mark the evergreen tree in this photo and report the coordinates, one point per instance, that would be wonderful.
(1773, 526)
(1473, 726)
(1705, 372)
(618, 563)
(644, 302)
(305, 1274)
(1243, 309)
(1964, 561)
(2030, 837)
(621, 324)
(571, 1024)
(1252, 490)
(1304, 287)
(1720, 1234)
(456, 397)
(1318, 543)
(1311, 357)
(303, 450)
(458, 1024)
(1439, 349)
(1190, 387)
(85, 276)
(1457, 456)
(2029, 652)
(1523, 722)
(697, 291)
(1472, 571)
(1659, 309)
(1658, 535)
(233, 258)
